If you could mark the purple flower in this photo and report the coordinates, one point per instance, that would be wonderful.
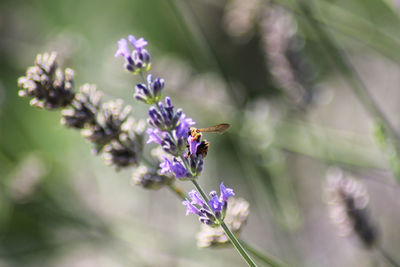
(196, 199)
(165, 166)
(193, 145)
(190, 208)
(214, 203)
(183, 127)
(179, 169)
(213, 213)
(155, 136)
(136, 60)
(175, 167)
(123, 49)
(137, 44)
(225, 193)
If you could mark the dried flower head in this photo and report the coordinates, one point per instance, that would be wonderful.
(150, 178)
(84, 108)
(108, 124)
(48, 86)
(235, 219)
(240, 17)
(125, 150)
(348, 200)
(285, 59)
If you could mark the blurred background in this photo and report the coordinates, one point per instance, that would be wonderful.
(293, 78)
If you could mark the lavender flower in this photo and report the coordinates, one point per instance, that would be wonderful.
(138, 59)
(151, 93)
(170, 129)
(126, 149)
(48, 86)
(149, 178)
(348, 199)
(84, 108)
(108, 124)
(175, 167)
(213, 213)
(235, 218)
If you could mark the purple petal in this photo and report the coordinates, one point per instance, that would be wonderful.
(183, 127)
(190, 208)
(178, 169)
(225, 192)
(137, 44)
(165, 166)
(193, 145)
(123, 49)
(196, 199)
(154, 136)
(214, 203)
(140, 43)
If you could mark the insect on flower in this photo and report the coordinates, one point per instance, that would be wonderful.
(195, 136)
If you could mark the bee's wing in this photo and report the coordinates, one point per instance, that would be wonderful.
(220, 128)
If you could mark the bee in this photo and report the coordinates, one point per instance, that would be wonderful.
(204, 145)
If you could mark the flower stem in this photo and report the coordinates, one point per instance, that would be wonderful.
(178, 191)
(261, 256)
(388, 257)
(235, 242)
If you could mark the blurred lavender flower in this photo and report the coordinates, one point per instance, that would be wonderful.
(149, 178)
(48, 86)
(125, 150)
(84, 108)
(235, 219)
(108, 124)
(240, 17)
(218, 206)
(348, 200)
(137, 60)
(283, 47)
(151, 93)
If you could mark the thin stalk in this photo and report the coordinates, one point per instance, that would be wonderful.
(228, 232)
(178, 191)
(388, 257)
(339, 59)
(261, 256)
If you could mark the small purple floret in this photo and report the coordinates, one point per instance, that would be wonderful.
(183, 126)
(214, 203)
(193, 145)
(155, 136)
(176, 167)
(190, 208)
(225, 192)
(137, 44)
(196, 199)
(165, 166)
(179, 169)
(123, 49)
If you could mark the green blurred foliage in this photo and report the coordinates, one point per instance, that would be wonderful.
(275, 155)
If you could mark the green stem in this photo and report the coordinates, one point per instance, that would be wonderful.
(228, 232)
(261, 256)
(178, 191)
(388, 257)
(339, 59)
(143, 79)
